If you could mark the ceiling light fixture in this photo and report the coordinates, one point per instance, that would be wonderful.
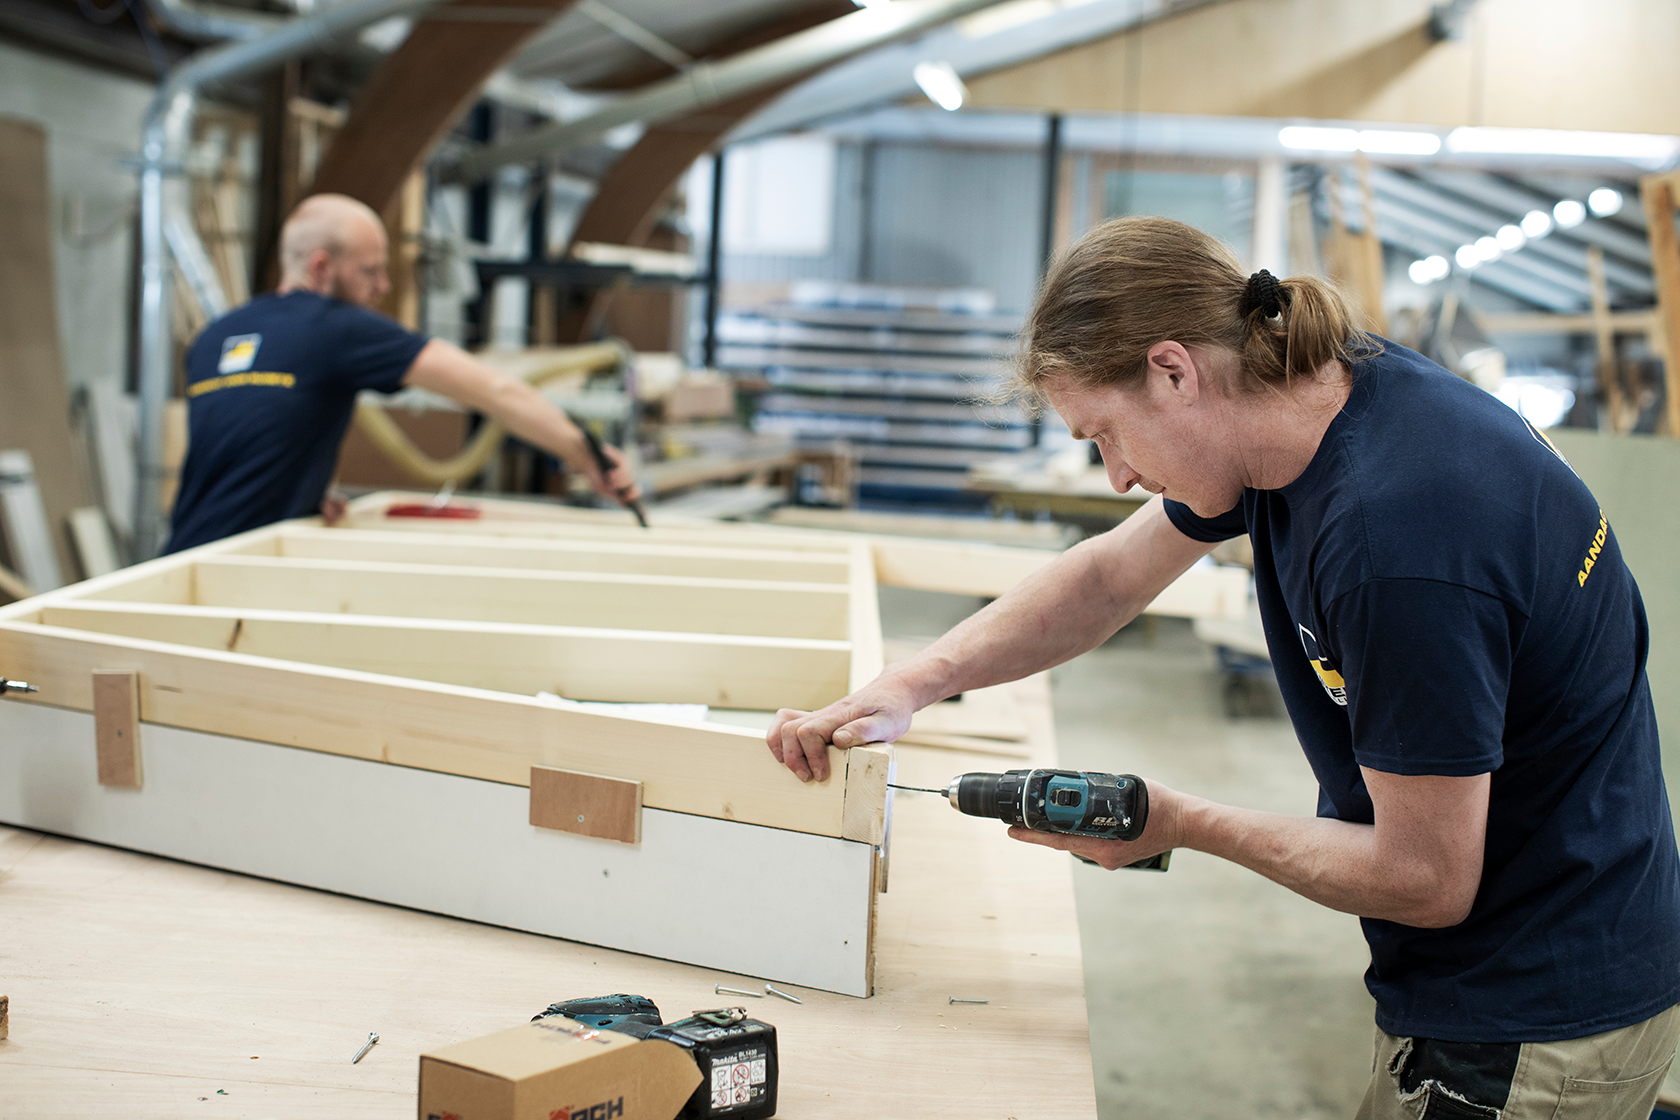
(1536, 224)
(1467, 257)
(1568, 214)
(1376, 141)
(1510, 238)
(940, 82)
(1604, 202)
(1429, 270)
(1388, 143)
(1487, 249)
(1635, 147)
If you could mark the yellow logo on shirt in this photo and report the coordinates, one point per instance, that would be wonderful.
(239, 353)
(1593, 550)
(233, 380)
(1334, 686)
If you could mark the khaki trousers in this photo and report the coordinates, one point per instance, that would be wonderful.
(1609, 1076)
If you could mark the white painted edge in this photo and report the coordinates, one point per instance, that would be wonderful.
(740, 898)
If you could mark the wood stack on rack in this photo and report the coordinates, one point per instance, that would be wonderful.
(889, 371)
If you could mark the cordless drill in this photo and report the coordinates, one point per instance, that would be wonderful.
(1071, 802)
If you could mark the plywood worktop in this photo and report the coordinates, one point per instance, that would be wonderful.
(141, 987)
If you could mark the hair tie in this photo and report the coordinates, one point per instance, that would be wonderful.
(1264, 293)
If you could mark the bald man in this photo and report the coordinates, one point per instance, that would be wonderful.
(271, 386)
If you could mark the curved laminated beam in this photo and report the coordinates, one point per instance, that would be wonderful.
(421, 90)
(636, 189)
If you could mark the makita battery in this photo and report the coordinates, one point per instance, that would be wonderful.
(736, 1055)
(737, 1060)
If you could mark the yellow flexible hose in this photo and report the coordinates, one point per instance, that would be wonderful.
(376, 423)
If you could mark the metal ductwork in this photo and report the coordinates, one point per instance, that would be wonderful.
(192, 20)
(167, 131)
(710, 83)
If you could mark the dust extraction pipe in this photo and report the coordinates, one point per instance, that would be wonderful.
(710, 83)
(167, 128)
(192, 20)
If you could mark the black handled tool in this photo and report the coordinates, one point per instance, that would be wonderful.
(606, 466)
(15, 686)
(1071, 802)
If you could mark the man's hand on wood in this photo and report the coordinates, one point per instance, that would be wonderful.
(334, 505)
(877, 713)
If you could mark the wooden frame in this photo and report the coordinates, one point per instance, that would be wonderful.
(1661, 197)
(355, 708)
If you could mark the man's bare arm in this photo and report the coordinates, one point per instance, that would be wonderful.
(1057, 613)
(447, 369)
(1420, 864)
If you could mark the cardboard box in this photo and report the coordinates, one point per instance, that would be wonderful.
(556, 1070)
(698, 398)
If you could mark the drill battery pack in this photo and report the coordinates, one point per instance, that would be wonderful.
(736, 1055)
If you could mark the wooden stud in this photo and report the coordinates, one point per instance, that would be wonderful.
(1660, 194)
(864, 625)
(714, 606)
(714, 770)
(626, 556)
(1526, 322)
(625, 666)
(1604, 335)
(586, 804)
(116, 728)
(866, 775)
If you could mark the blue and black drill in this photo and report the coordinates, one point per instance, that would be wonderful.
(1071, 802)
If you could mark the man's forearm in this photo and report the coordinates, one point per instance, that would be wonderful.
(1338, 864)
(528, 414)
(442, 367)
(1065, 608)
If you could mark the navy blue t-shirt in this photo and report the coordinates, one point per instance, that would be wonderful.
(271, 387)
(1442, 595)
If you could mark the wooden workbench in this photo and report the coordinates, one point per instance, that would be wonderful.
(141, 987)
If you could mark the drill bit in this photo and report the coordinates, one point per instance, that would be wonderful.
(917, 789)
(15, 686)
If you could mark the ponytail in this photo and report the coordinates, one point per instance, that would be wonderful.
(1133, 282)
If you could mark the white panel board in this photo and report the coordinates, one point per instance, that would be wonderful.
(740, 898)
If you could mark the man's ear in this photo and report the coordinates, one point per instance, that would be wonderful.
(319, 269)
(1170, 368)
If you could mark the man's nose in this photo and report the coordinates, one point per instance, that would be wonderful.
(1120, 476)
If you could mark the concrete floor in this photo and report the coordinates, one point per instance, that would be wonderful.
(1212, 993)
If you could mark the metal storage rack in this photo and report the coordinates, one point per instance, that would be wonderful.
(905, 387)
